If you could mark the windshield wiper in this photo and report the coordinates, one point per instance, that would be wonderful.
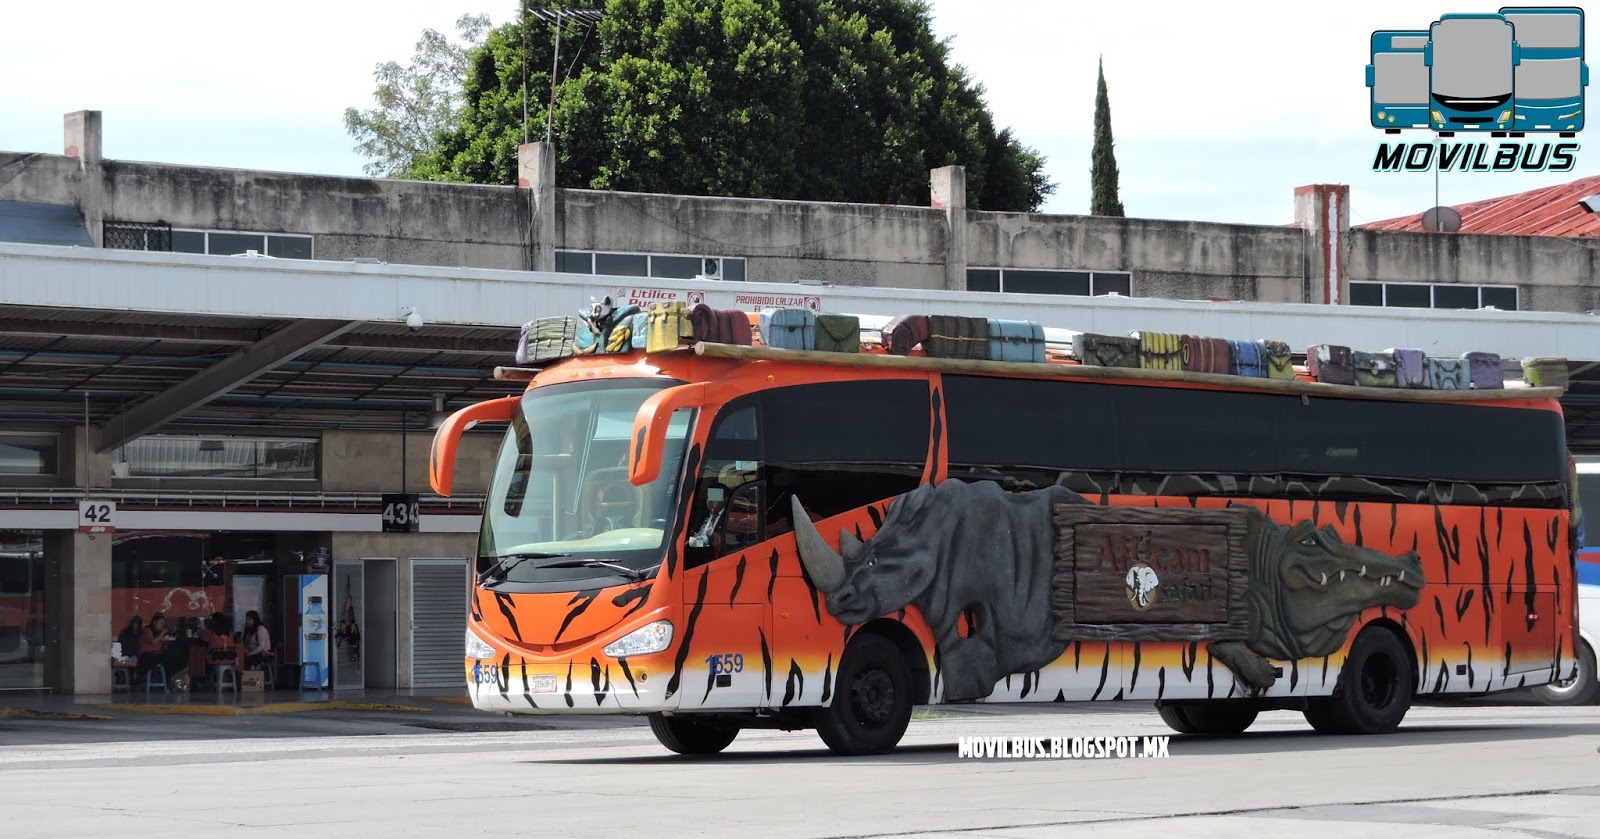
(633, 575)
(505, 563)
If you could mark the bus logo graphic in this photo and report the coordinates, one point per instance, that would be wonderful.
(1517, 72)
(1142, 586)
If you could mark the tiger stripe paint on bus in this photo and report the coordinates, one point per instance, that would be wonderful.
(751, 631)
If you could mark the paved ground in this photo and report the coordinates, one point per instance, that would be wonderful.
(1453, 771)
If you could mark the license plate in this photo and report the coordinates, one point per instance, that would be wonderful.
(542, 684)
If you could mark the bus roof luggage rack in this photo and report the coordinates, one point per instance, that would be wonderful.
(960, 344)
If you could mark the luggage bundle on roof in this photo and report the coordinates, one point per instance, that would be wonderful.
(603, 328)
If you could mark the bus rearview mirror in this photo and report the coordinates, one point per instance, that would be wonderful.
(442, 456)
(650, 429)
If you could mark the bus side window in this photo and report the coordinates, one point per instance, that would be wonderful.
(733, 459)
(842, 445)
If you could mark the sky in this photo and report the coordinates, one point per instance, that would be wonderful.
(1219, 112)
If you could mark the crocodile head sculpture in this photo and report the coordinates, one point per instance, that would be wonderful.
(1306, 589)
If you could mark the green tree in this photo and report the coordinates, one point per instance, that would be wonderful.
(1104, 200)
(841, 100)
(414, 102)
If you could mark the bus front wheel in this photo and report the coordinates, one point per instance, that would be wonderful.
(1374, 690)
(1219, 720)
(871, 699)
(688, 736)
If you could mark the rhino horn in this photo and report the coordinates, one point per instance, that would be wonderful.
(849, 546)
(823, 563)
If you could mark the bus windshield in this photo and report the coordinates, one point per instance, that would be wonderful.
(1472, 62)
(560, 506)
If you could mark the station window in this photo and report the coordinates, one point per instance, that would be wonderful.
(231, 458)
(29, 454)
(664, 265)
(1038, 281)
(1434, 296)
(142, 236)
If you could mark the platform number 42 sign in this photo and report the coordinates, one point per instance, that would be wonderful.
(96, 516)
(400, 513)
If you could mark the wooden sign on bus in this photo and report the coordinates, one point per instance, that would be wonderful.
(1150, 574)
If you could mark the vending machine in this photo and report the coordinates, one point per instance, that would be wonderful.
(305, 628)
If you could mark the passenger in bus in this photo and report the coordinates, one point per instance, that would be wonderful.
(257, 642)
(703, 535)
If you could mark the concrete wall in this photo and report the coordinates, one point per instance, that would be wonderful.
(1555, 275)
(844, 244)
(369, 461)
(42, 178)
(1178, 259)
(389, 220)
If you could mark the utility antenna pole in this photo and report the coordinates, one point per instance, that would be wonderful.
(558, 16)
(555, 65)
(522, 8)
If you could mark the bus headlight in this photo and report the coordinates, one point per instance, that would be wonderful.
(651, 638)
(1505, 117)
(1437, 117)
(477, 648)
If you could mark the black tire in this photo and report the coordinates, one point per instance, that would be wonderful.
(1217, 721)
(687, 736)
(1177, 720)
(1581, 690)
(871, 699)
(1374, 690)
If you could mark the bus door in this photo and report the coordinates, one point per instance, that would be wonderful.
(726, 620)
(1552, 74)
(1398, 76)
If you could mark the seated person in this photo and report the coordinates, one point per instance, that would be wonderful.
(156, 647)
(218, 641)
(129, 637)
(705, 533)
(257, 642)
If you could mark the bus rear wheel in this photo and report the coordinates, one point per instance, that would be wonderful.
(688, 736)
(1219, 720)
(1581, 689)
(1374, 690)
(871, 699)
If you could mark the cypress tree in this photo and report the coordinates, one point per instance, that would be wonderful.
(1103, 167)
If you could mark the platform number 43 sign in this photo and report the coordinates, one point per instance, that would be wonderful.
(400, 513)
(96, 516)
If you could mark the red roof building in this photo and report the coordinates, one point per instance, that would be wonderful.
(1550, 211)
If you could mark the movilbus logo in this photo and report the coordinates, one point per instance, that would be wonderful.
(1516, 72)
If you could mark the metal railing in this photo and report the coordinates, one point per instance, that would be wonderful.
(136, 236)
(231, 499)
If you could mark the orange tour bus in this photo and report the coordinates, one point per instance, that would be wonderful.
(724, 520)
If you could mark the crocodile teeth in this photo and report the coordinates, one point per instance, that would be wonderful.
(1324, 578)
(1402, 576)
(1363, 570)
(1341, 575)
(1385, 581)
